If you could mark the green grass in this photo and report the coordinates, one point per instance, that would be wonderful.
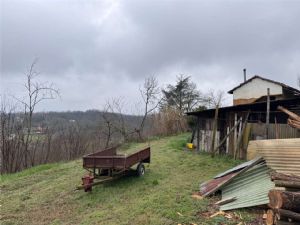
(45, 194)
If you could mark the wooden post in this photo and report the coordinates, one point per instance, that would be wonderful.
(241, 132)
(235, 131)
(214, 131)
(227, 140)
(237, 137)
(227, 135)
(268, 113)
(198, 134)
(276, 129)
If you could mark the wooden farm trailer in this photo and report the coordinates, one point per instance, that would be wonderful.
(106, 165)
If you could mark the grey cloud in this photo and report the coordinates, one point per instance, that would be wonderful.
(109, 42)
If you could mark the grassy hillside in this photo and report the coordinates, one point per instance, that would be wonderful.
(45, 194)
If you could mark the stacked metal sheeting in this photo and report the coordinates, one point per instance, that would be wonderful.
(249, 188)
(282, 155)
(210, 187)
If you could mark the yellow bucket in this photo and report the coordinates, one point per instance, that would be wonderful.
(190, 146)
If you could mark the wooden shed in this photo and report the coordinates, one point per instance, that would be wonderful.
(255, 126)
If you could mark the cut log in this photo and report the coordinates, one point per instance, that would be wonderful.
(288, 214)
(284, 200)
(294, 116)
(294, 123)
(288, 184)
(286, 177)
(281, 222)
(270, 217)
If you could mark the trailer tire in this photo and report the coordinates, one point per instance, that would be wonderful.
(140, 170)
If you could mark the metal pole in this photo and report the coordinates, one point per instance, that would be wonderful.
(268, 113)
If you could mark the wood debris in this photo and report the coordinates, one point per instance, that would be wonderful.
(284, 205)
(293, 120)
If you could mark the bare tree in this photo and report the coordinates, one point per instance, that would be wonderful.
(37, 92)
(11, 138)
(107, 117)
(149, 93)
(214, 98)
(117, 107)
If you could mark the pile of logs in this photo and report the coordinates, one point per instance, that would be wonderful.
(284, 200)
(293, 120)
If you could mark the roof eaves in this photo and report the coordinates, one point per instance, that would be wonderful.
(265, 79)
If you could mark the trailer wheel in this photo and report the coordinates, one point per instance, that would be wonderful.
(140, 170)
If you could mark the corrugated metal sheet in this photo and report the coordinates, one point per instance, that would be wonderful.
(213, 185)
(239, 167)
(250, 188)
(282, 155)
(210, 187)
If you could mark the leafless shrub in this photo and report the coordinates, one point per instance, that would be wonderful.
(167, 122)
(74, 141)
(12, 138)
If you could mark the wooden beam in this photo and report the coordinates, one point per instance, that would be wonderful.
(268, 113)
(294, 116)
(235, 131)
(214, 131)
(198, 134)
(225, 201)
(241, 135)
(227, 135)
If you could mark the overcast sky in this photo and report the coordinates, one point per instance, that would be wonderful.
(95, 50)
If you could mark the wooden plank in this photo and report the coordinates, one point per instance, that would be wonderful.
(225, 201)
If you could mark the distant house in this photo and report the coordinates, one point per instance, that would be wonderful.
(255, 90)
(249, 98)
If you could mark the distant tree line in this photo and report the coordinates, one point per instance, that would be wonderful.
(30, 138)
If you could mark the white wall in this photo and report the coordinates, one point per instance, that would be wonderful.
(256, 88)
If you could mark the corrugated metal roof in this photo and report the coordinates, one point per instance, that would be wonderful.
(282, 155)
(210, 187)
(239, 167)
(213, 185)
(250, 188)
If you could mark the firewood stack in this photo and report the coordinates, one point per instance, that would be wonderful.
(293, 120)
(284, 201)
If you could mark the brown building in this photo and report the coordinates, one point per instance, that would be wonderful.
(249, 107)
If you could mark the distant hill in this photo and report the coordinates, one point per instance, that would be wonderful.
(90, 118)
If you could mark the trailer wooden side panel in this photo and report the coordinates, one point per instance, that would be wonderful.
(114, 161)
